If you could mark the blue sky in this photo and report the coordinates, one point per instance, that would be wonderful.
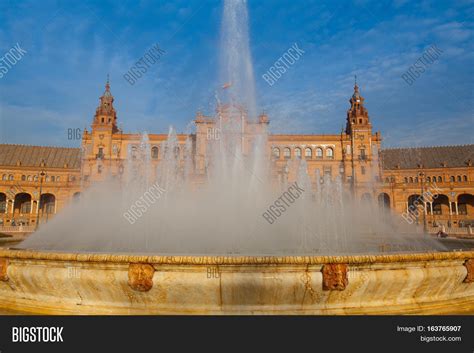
(71, 46)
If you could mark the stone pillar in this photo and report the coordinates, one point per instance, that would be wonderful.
(431, 207)
(456, 207)
(450, 208)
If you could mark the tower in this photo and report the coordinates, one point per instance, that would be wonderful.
(97, 146)
(357, 115)
(105, 118)
(364, 147)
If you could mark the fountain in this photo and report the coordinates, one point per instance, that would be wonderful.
(219, 247)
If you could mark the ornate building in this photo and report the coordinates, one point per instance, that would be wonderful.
(37, 182)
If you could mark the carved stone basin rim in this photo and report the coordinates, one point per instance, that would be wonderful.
(234, 260)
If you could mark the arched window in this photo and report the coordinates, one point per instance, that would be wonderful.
(287, 153)
(58, 179)
(23, 177)
(35, 178)
(154, 152)
(46, 178)
(3, 203)
(10, 177)
(276, 153)
(47, 203)
(384, 201)
(440, 179)
(459, 178)
(28, 178)
(53, 178)
(308, 153)
(406, 180)
(428, 179)
(4, 177)
(298, 152)
(451, 178)
(416, 179)
(76, 196)
(22, 203)
(329, 153)
(319, 152)
(411, 179)
(465, 178)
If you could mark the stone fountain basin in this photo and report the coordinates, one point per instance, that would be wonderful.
(70, 283)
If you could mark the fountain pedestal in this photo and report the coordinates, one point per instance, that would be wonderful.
(61, 283)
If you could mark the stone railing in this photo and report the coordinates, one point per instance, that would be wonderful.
(17, 229)
(469, 231)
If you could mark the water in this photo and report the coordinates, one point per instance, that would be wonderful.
(222, 213)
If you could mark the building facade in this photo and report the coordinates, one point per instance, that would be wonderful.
(37, 182)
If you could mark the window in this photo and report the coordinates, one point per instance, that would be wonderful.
(4, 177)
(57, 178)
(28, 178)
(101, 153)
(308, 153)
(451, 178)
(465, 178)
(25, 207)
(440, 179)
(23, 177)
(99, 168)
(10, 177)
(428, 179)
(46, 178)
(133, 152)
(416, 179)
(363, 156)
(287, 153)
(462, 209)
(362, 170)
(154, 152)
(459, 178)
(298, 152)
(276, 153)
(411, 179)
(3, 203)
(329, 153)
(406, 180)
(319, 152)
(53, 178)
(35, 178)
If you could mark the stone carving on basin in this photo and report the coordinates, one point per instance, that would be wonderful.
(140, 277)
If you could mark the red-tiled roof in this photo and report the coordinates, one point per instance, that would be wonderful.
(428, 157)
(32, 156)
